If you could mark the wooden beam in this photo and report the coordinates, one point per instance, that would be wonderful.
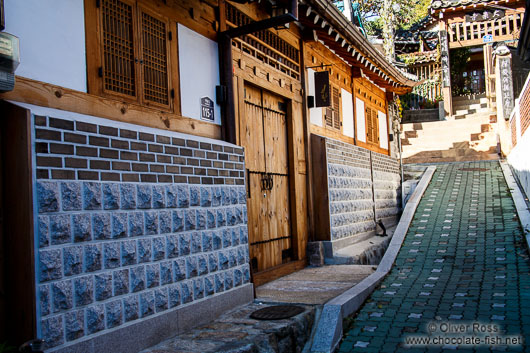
(52, 96)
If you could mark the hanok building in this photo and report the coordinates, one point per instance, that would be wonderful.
(156, 153)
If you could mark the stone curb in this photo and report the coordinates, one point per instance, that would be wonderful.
(518, 199)
(329, 326)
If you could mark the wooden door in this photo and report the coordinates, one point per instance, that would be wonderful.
(263, 128)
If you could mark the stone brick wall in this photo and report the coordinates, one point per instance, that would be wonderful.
(131, 223)
(351, 170)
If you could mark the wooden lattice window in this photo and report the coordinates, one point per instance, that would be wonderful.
(133, 53)
(372, 126)
(332, 114)
(524, 106)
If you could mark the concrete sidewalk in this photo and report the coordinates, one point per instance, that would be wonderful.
(464, 260)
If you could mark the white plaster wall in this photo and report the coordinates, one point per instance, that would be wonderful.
(315, 114)
(360, 115)
(383, 132)
(199, 72)
(52, 40)
(347, 113)
(519, 159)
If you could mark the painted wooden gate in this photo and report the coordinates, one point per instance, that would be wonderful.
(263, 131)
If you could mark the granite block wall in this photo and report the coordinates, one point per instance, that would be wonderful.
(355, 176)
(131, 224)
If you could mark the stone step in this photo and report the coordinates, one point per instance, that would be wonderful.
(469, 97)
(472, 104)
(366, 252)
(469, 110)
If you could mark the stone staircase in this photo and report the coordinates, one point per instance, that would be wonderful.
(466, 136)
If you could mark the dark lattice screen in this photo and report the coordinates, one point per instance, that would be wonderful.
(336, 108)
(118, 47)
(154, 53)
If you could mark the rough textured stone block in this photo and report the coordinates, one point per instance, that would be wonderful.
(179, 270)
(60, 229)
(111, 196)
(183, 196)
(62, 295)
(161, 299)
(206, 196)
(217, 240)
(217, 196)
(229, 280)
(137, 278)
(225, 196)
(144, 250)
(242, 195)
(71, 196)
(101, 226)
(191, 267)
(238, 277)
(144, 196)
(151, 223)
(43, 231)
(198, 288)
(171, 196)
(195, 196)
(74, 323)
(186, 292)
(147, 304)
(241, 256)
(128, 196)
(232, 257)
(209, 285)
(121, 282)
(212, 262)
(174, 295)
(234, 196)
(91, 196)
(47, 196)
(190, 220)
(159, 196)
(200, 219)
(211, 222)
(196, 242)
(184, 244)
(246, 275)
(207, 242)
(224, 262)
(159, 248)
(44, 300)
(235, 236)
(227, 238)
(231, 216)
(92, 258)
(82, 227)
(114, 313)
(131, 308)
(136, 224)
(111, 253)
(152, 274)
(128, 253)
(172, 246)
(73, 260)
(178, 220)
(202, 264)
(219, 282)
(119, 225)
(166, 272)
(164, 221)
(103, 286)
(95, 318)
(52, 331)
(50, 265)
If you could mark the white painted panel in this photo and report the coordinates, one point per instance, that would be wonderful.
(360, 114)
(383, 132)
(315, 114)
(52, 40)
(347, 113)
(199, 72)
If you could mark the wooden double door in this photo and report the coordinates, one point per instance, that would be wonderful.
(263, 132)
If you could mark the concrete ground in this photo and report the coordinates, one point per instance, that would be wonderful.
(314, 285)
(461, 278)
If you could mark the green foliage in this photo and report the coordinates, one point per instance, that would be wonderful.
(459, 59)
(410, 12)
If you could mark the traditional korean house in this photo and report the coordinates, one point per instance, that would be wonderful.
(157, 159)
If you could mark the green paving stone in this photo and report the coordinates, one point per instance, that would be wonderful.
(482, 241)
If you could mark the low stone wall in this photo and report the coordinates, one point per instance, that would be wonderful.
(358, 182)
(420, 115)
(132, 222)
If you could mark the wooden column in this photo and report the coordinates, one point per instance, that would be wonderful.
(489, 74)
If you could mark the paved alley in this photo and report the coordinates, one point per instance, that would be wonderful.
(461, 279)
